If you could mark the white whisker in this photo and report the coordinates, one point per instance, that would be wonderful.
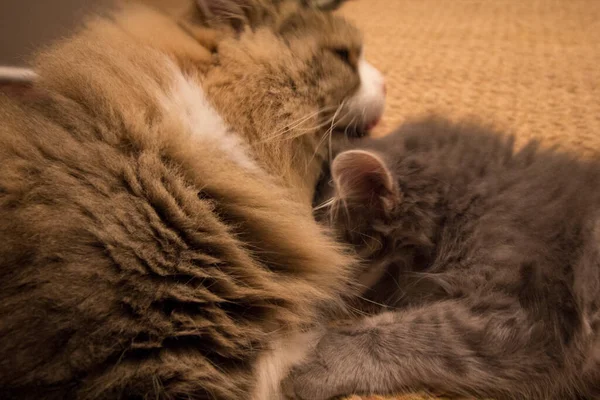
(325, 204)
(295, 124)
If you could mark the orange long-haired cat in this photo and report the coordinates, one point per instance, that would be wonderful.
(156, 237)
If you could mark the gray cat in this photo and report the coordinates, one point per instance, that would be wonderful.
(484, 262)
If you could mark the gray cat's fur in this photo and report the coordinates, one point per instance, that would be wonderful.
(491, 274)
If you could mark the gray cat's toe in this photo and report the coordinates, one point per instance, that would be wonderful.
(288, 390)
(306, 383)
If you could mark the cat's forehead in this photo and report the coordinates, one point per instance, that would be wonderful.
(328, 29)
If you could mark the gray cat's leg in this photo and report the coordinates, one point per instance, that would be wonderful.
(449, 346)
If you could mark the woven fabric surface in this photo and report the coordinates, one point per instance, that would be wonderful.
(530, 67)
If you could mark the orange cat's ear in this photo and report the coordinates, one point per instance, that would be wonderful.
(362, 176)
(325, 5)
(239, 13)
(236, 13)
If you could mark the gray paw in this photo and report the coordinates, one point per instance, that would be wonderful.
(304, 383)
(328, 371)
(308, 381)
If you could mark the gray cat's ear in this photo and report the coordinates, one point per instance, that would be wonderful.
(325, 5)
(363, 176)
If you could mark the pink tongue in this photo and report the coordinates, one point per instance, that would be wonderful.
(373, 124)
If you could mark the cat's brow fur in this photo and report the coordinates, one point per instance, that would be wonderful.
(138, 260)
(491, 275)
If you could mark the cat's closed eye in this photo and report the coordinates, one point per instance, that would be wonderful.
(346, 55)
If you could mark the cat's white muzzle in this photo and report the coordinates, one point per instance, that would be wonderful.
(364, 109)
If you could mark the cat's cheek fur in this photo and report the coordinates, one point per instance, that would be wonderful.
(188, 102)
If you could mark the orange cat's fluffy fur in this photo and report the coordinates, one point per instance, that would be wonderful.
(156, 237)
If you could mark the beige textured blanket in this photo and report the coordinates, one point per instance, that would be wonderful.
(531, 66)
